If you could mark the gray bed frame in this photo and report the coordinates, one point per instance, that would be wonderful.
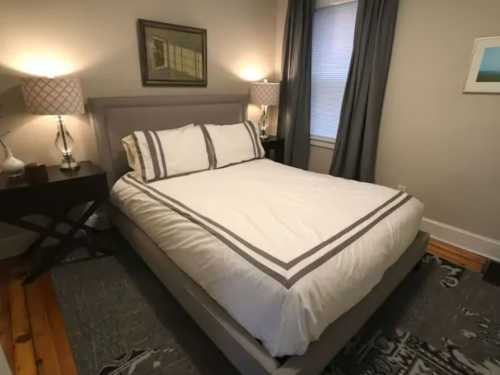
(113, 119)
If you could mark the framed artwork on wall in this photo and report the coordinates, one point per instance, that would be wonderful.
(484, 73)
(172, 55)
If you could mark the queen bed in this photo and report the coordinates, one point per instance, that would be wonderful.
(279, 266)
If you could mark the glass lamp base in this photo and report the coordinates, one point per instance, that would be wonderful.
(263, 131)
(68, 163)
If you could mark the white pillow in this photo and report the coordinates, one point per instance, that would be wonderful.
(155, 155)
(232, 144)
(131, 152)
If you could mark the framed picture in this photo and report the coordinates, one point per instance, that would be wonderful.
(172, 55)
(484, 74)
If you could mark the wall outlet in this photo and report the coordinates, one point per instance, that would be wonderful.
(402, 188)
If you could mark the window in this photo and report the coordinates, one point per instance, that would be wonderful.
(333, 35)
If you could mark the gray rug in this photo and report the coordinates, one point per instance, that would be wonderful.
(121, 321)
(443, 320)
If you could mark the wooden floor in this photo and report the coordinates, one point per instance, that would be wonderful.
(458, 256)
(32, 331)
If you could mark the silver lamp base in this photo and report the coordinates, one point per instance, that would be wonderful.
(68, 163)
(264, 122)
(64, 143)
(263, 134)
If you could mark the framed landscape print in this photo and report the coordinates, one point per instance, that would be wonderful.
(172, 55)
(484, 74)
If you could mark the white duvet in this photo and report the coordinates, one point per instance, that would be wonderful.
(286, 252)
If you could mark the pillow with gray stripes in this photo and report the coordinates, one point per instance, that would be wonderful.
(233, 144)
(155, 155)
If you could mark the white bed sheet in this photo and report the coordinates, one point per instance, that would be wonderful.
(285, 251)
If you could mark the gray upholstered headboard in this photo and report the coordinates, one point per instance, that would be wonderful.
(115, 118)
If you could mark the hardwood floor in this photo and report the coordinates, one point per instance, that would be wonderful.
(32, 331)
(458, 256)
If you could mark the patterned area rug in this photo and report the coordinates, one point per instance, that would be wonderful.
(442, 320)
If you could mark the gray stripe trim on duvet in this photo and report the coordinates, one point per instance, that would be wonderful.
(287, 282)
(337, 249)
(237, 163)
(285, 265)
(216, 234)
(343, 231)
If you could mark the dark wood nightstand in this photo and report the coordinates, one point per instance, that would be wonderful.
(54, 198)
(274, 148)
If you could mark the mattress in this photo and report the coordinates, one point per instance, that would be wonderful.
(285, 251)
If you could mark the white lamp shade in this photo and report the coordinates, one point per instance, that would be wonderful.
(53, 96)
(265, 93)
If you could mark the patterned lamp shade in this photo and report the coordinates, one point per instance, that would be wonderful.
(265, 93)
(53, 96)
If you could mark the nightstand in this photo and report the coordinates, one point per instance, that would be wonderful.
(274, 148)
(54, 199)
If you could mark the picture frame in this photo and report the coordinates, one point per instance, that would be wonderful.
(172, 55)
(484, 72)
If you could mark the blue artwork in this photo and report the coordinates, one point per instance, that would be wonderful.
(489, 70)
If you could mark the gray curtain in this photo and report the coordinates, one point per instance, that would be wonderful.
(295, 107)
(357, 138)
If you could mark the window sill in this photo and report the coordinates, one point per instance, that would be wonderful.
(331, 3)
(323, 142)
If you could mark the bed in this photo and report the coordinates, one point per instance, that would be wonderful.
(256, 268)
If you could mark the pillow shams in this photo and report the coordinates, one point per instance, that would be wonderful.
(131, 152)
(234, 143)
(167, 153)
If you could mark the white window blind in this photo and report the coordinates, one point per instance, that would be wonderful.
(333, 35)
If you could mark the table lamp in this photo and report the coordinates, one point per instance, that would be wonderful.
(59, 97)
(265, 94)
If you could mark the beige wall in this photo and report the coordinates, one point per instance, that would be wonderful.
(96, 40)
(281, 9)
(320, 159)
(443, 144)
(440, 143)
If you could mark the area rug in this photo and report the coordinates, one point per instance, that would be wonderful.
(442, 320)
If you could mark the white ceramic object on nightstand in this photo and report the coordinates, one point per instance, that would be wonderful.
(11, 166)
(4, 366)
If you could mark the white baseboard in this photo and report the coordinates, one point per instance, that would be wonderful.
(475, 243)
